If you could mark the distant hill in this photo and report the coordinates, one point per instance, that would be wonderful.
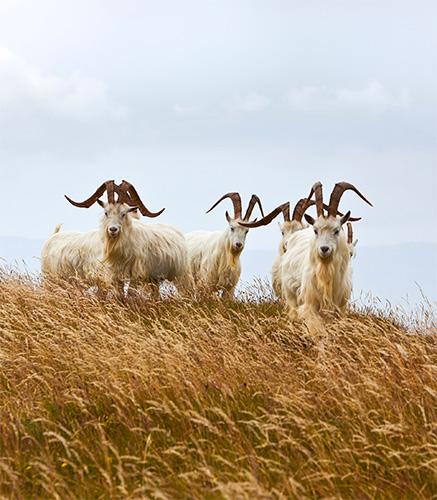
(396, 273)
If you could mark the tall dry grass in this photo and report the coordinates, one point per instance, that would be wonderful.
(176, 399)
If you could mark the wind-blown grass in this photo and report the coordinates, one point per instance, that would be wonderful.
(213, 399)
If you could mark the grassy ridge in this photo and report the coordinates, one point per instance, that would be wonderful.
(211, 399)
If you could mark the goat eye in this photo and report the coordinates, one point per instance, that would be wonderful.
(315, 231)
(336, 232)
(106, 213)
(123, 215)
(232, 229)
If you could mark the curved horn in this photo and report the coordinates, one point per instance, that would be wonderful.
(350, 233)
(236, 200)
(123, 195)
(253, 201)
(130, 196)
(110, 189)
(317, 190)
(301, 207)
(352, 219)
(106, 186)
(284, 208)
(337, 193)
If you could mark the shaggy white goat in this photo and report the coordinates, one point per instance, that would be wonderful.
(124, 248)
(214, 257)
(315, 269)
(78, 255)
(287, 228)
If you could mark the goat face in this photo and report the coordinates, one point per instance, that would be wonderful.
(328, 232)
(237, 235)
(116, 217)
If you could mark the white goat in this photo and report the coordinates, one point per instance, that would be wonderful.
(124, 248)
(315, 269)
(78, 255)
(287, 228)
(214, 257)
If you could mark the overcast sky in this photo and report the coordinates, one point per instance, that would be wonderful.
(191, 99)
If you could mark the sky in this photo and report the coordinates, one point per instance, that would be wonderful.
(190, 100)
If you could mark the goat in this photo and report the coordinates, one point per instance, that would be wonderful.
(315, 269)
(288, 228)
(128, 249)
(78, 255)
(214, 257)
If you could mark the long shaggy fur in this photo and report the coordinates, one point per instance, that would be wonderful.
(73, 255)
(213, 262)
(287, 229)
(146, 253)
(139, 254)
(311, 285)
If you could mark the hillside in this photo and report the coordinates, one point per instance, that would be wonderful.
(176, 399)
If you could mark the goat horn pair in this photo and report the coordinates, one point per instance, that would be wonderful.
(126, 194)
(334, 199)
(236, 201)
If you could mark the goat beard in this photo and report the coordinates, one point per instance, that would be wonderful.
(110, 245)
(325, 260)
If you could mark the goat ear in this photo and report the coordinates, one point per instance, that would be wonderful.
(228, 217)
(100, 202)
(310, 220)
(132, 209)
(345, 217)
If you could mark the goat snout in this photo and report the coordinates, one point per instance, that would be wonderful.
(324, 251)
(113, 230)
(238, 245)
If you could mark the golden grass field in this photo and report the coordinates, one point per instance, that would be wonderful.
(209, 399)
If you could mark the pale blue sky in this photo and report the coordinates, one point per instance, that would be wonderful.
(192, 99)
